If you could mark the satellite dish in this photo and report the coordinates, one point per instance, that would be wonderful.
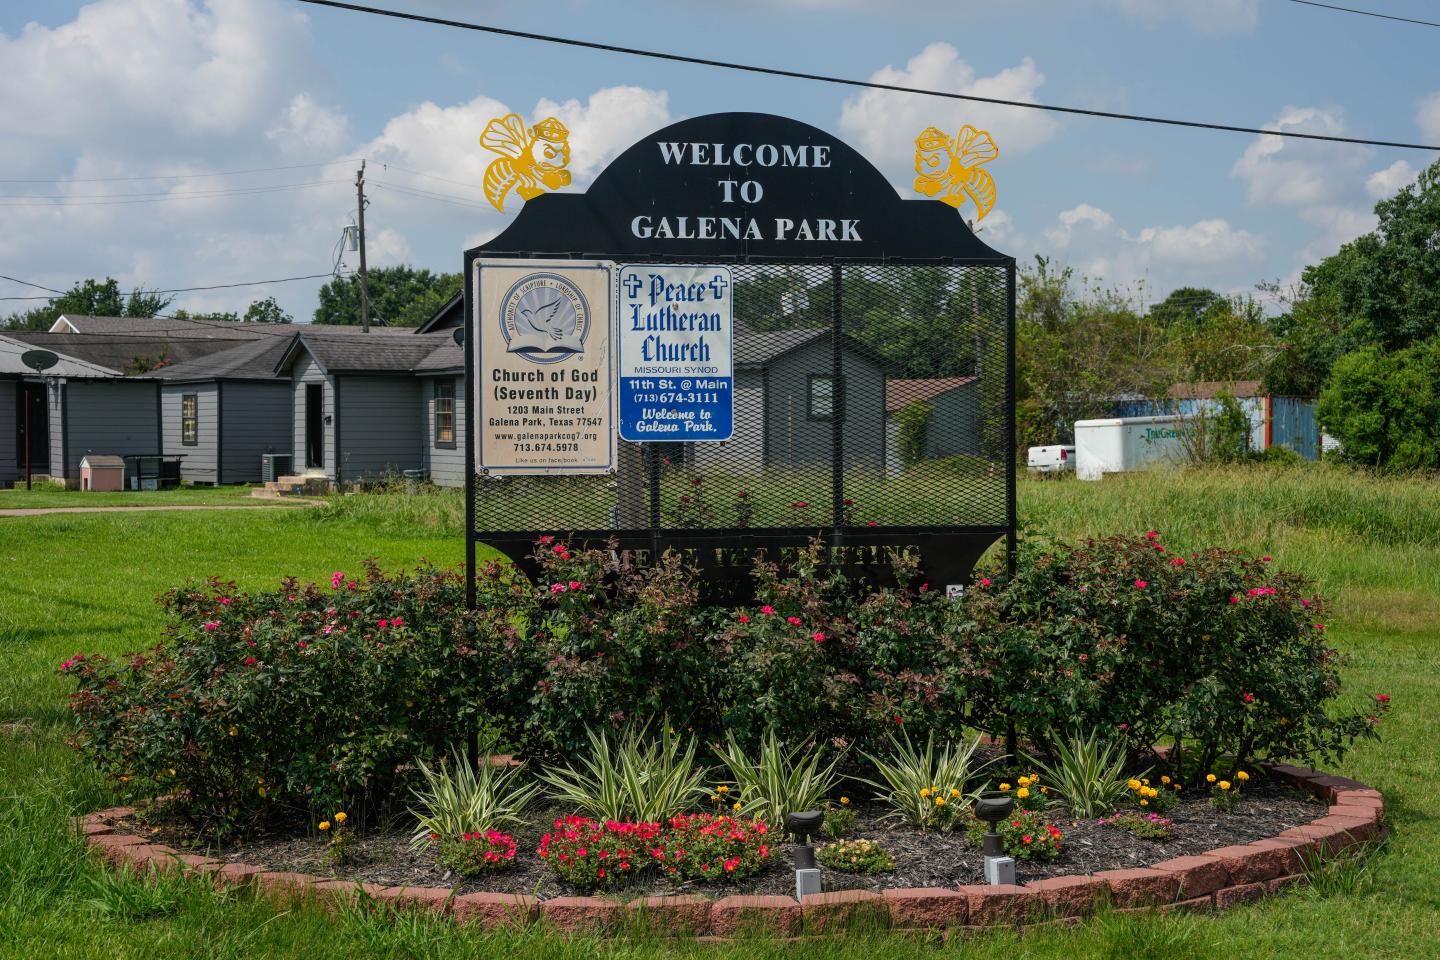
(459, 336)
(39, 360)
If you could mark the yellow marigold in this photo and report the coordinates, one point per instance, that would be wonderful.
(1023, 781)
(1144, 802)
(262, 791)
(340, 817)
(722, 789)
(1133, 784)
(1023, 792)
(1224, 784)
(324, 824)
(954, 792)
(1165, 780)
(1209, 778)
(924, 794)
(1004, 786)
(939, 801)
(1044, 789)
(1241, 775)
(735, 806)
(234, 731)
(844, 801)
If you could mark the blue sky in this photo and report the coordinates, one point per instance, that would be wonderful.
(135, 88)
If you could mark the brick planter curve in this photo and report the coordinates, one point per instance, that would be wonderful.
(1213, 880)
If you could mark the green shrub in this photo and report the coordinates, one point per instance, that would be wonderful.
(774, 782)
(460, 800)
(637, 778)
(1146, 826)
(856, 856)
(1025, 835)
(928, 788)
(1217, 652)
(1088, 775)
(308, 699)
(1384, 408)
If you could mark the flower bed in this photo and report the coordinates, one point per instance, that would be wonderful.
(1213, 878)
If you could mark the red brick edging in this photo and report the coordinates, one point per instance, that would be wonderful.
(1210, 881)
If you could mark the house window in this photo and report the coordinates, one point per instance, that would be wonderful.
(190, 419)
(445, 413)
(821, 404)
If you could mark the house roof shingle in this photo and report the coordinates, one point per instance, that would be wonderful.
(901, 393)
(13, 348)
(383, 351)
(252, 360)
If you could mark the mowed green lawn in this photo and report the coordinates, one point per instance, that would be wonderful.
(86, 583)
(47, 495)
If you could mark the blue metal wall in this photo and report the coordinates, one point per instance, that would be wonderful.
(1292, 419)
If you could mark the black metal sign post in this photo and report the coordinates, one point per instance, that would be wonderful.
(874, 362)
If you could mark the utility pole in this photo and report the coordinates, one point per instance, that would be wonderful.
(364, 290)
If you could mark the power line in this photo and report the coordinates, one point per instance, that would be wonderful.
(173, 176)
(849, 82)
(101, 200)
(214, 286)
(1368, 13)
(27, 283)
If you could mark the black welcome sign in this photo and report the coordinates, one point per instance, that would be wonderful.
(741, 186)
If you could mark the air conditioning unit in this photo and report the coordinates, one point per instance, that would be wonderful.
(273, 466)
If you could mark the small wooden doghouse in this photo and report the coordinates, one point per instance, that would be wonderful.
(102, 472)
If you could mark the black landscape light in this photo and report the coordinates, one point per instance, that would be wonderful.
(992, 807)
(803, 826)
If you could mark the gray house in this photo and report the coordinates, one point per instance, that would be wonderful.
(357, 402)
(74, 408)
(39, 404)
(950, 410)
(224, 412)
(786, 401)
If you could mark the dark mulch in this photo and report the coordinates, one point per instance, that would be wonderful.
(383, 855)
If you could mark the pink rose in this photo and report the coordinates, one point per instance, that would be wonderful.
(575, 584)
(1141, 584)
(984, 581)
(211, 625)
(818, 637)
(793, 621)
(767, 610)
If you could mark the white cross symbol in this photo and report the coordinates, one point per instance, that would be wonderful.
(718, 285)
(632, 284)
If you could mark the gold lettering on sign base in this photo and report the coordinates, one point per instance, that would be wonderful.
(532, 159)
(950, 169)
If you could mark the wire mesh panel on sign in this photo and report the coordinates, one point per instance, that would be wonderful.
(867, 398)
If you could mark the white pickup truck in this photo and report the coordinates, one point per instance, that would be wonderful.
(1052, 459)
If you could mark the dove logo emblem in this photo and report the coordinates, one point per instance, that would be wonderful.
(545, 318)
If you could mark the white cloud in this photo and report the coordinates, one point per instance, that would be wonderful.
(1427, 116)
(307, 129)
(1384, 183)
(143, 76)
(1157, 256)
(1205, 242)
(1211, 16)
(885, 123)
(1093, 217)
(1291, 172)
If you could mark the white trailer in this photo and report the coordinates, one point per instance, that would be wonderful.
(1127, 443)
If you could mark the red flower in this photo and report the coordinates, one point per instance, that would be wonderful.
(576, 584)
(767, 610)
(744, 618)
(547, 539)
(1027, 839)
(924, 587)
(793, 621)
(1151, 534)
(397, 621)
(985, 581)
(251, 661)
(1265, 559)
(1141, 584)
(1382, 697)
(382, 623)
(819, 637)
(1248, 698)
(1177, 562)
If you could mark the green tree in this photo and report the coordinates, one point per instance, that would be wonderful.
(1185, 306)
(267, 311)
(94, 298)
(399, 297)
(1384, 408)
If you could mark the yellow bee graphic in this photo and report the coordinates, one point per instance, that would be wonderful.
(951, 170)
(530, 160)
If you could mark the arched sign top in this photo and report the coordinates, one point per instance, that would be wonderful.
(741, 186)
